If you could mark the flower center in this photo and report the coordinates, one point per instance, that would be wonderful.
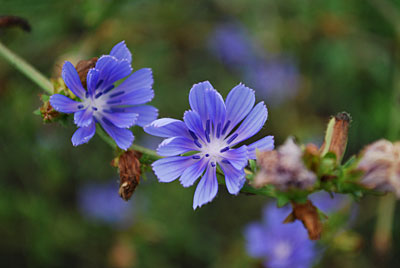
(282, 250)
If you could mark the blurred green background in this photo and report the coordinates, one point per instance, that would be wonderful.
(343, 56)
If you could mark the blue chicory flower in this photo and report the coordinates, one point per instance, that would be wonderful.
(209, 131)
(116, 109)
(281, 245)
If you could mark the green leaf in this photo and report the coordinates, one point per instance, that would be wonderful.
(37, 112)
(282, 200)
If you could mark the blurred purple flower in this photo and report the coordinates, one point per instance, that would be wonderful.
(101, 202)
(281, 245)
(274, 77)
(232, 45)
(327, 203)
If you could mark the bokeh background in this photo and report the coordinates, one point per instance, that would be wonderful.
(308, 60)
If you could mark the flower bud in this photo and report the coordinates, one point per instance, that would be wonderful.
(336, 135)
(380, 163)
(307, 213)
(129, 173)
(283, 168)
(83, 67)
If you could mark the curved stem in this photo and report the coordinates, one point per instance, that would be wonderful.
(27, 69)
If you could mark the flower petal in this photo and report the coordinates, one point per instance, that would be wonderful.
(170, 168)
(83, 118)
(192, 173)
(91, 80)
(193, 122)
(121, 52)
(147, 114)
(83, 134)
(72, 80)
(135, 90)
(238, 158)
(256, 245)
(176, 145)
(239, 103)
(264, 144)
(63, 104)
(141, 79)
(111, 70)
(251, 124)
(207, 188)
(167, 127)
(216, 107)
(122, 136)
(122, 120)
(234, 179)
(197, 99)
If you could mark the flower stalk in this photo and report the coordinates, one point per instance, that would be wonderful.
(27, 69)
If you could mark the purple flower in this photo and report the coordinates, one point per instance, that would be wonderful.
(274, 77)
(102, 202)
(209, 132)
(327, 203)
(116, 109)
(231, 43)
(281, 245)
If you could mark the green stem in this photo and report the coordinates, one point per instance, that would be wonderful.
(26, 69)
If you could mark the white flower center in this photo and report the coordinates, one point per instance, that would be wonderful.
(283, 250)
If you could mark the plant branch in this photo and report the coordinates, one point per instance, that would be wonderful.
(27, 69)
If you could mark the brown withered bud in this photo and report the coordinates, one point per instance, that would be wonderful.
(129, 173)
(83, 67)
(14, 21)
(336, 136)
(380, 162)
(47, 111)
(307, 213)
(283, 168)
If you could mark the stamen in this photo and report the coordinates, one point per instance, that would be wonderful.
(197, 143)
(94, 108)
(113, 102)
(193, 135)
(117, 94)
(207, 155)
(98, 95)
(108, 122)
(99, 83)
(208, 126)
(196, 157)
(226, 127)
(207, 136)
(213, 164)
(80, 106)
(232, 138)
(218, 129)
(108, 89)
(225, 149)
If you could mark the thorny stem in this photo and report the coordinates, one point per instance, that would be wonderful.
(27, 69)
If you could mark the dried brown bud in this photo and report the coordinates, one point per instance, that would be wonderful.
(47, 111)
(14, 21)
(283, 168)
(307, 213)
(380, 162)
(336, 135)
(129, 173)
(83, 67)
